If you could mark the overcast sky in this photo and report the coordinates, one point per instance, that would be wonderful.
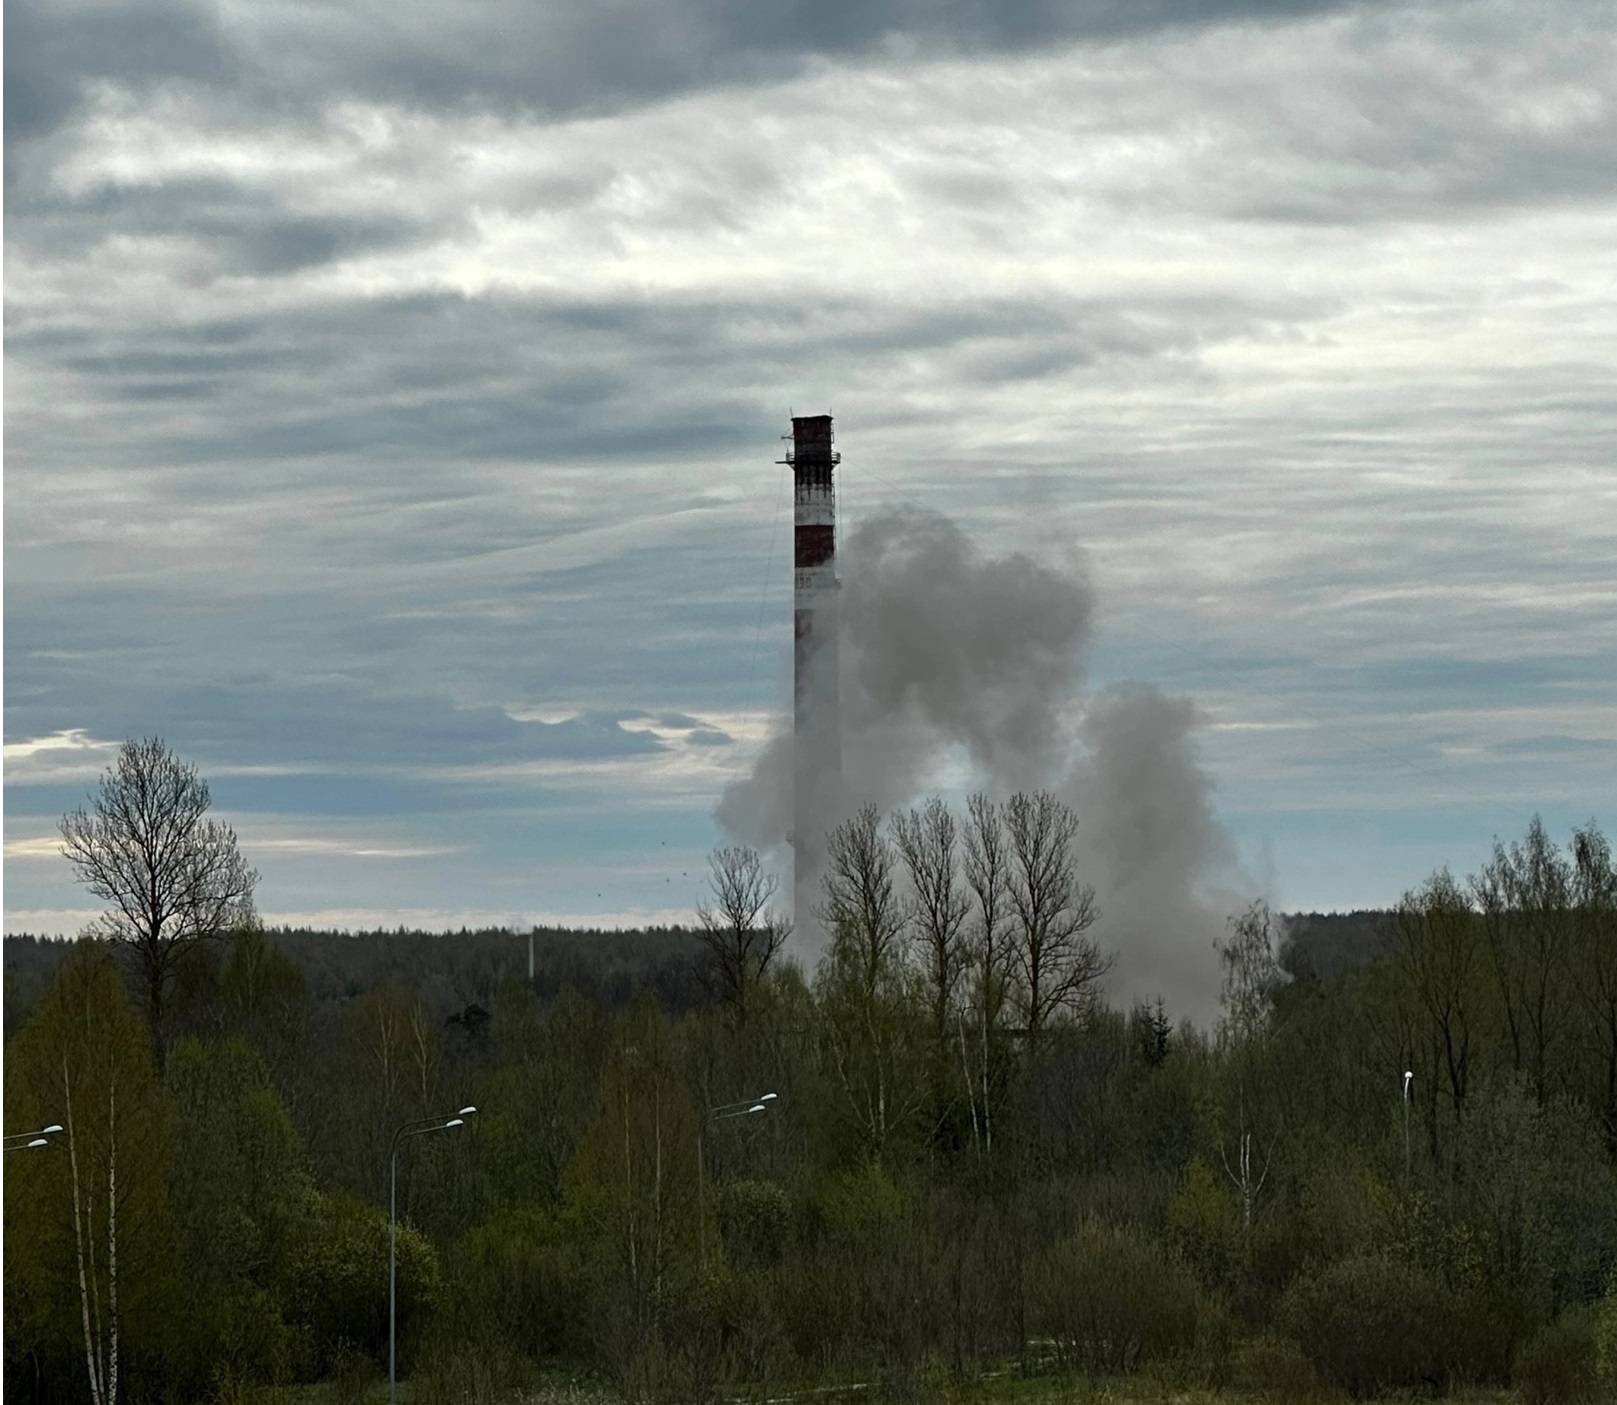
(394, 390)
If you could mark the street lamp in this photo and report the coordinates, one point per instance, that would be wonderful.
(25, 1141)
(747, 1107)
(419, 1128)
(1408, 1075)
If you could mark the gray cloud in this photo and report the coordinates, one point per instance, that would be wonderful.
(241, 229)
(54, 51)
(386, 368)
(549, 58)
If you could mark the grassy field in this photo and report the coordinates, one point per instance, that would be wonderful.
(1143, 1389)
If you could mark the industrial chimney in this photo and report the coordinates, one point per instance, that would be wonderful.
(817, 737)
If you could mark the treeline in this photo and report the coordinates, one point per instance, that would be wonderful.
(1391, 1164)
(450, 970)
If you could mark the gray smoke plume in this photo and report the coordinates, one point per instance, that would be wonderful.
(1165, 872)
(954, 659)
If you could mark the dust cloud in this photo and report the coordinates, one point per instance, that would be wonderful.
(961, 670)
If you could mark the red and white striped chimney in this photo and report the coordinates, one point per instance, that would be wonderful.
(817, 727)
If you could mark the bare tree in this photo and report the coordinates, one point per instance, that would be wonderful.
(928, 842)
(1526, 897)
(862, 982)
(739, 928)
(1252, 974)
(1057, 966)
(862, 910)
(1595, 891)
(1438, 941)
(174, 878)
(987, 869)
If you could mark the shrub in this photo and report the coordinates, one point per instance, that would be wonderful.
(1370, 1324)
(461, 1375)
(1276, 1367)
(1492, 1322)
(1205, 1226)
(1110, 1299)
(1557, 1366)
(353, 1374)
(754, 1219)
(1606, 1339)
(1208, 1365)
(522, 1281)
(1214, 1358)
(339, 1281)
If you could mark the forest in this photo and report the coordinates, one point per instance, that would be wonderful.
(936, 1158)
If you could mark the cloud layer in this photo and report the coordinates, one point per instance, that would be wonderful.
(393, 400)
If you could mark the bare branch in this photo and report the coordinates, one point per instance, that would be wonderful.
(172, 877)
(739, 928)
(928, 842)
(1057, 967)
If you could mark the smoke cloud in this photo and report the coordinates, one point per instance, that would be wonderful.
(1165, 872)
(953, 660)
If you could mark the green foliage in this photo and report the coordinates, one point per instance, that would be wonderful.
(1557, 1366)
(523, 1279)
(1534, 1187)
(861, 1202)
(353, 1373)
(242, 1201)
(634, 1178)
(755, 1219)
(1372, 1323)
(879, 1225)
(89, 1275)
(1605, 1335)
(264, 998)
(339, 1278)
(1110, 1299)
(535, 1107)
(1204, 1225)
(480, 1373)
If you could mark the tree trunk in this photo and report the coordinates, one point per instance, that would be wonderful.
(155, 974)
(79, 1236)
(112, 1245)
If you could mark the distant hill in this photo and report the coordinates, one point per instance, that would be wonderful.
(456, 970)
(452, 970)
(1319, 945)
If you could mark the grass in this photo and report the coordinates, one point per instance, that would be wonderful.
(1142, 1389)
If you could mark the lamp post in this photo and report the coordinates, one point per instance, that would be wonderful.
(26, 1141)
(1408, 1076)
(419, 1128)
(747, 1107)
